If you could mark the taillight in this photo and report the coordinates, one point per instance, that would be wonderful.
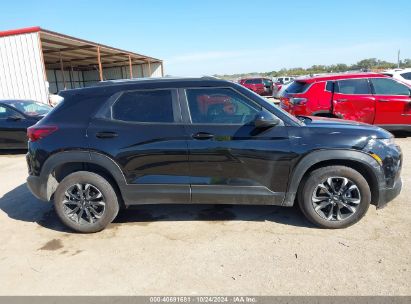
(285, 101)
(298, 101)
(35, 133)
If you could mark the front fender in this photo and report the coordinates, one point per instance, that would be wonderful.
(315, 157)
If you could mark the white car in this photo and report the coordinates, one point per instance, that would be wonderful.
(403, 75)
(283, 79)
(278, 90)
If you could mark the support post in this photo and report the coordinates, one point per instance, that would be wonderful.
(130, 66)
(100, 68)
(162, 69)
(149, 68)
(62, 72)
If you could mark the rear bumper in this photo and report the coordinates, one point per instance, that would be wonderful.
(388, 194)
(37, 187)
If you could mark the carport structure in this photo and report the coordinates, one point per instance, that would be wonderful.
(37, 62)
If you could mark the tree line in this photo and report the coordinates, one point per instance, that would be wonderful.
(370, 64)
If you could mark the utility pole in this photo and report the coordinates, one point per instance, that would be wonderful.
(398, 59)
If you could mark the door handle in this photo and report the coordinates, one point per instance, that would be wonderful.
(341, 100)
(383, 100)
(106, 134)
(203, 135)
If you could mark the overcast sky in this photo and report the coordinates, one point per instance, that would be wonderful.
(225, 36)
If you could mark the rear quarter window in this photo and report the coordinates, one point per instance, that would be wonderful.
(329, 86)
(406, 75)
(298, 87)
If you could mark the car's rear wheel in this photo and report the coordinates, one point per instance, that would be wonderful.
(86, 202)
(334, 197)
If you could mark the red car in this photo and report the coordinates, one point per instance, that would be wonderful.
(365, 97)
(259, 85)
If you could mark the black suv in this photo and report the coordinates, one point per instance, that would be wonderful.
(203, 141)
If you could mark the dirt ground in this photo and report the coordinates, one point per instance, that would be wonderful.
(202, 249)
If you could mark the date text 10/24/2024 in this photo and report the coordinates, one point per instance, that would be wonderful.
(203, 299)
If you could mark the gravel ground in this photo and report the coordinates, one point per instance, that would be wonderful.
(202, 249)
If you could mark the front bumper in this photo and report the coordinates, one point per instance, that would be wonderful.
(388, 194)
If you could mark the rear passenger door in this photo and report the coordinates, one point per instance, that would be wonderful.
(393, 102)
(142, 131)
(353, 100)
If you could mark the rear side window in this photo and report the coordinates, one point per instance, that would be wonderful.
(253, 81)
(386, 86)
(144, 106)
(298, 87)
(353, 86)
(406, 75)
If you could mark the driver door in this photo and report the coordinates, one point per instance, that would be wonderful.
(232, 162)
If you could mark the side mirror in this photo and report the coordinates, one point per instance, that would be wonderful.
(266, 120)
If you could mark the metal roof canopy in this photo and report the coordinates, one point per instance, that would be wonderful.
(66, 52)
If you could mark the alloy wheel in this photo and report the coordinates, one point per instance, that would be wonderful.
(336, 198)
(83, 204)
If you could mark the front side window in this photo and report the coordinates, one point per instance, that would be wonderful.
(406, 75)
(144, 106)
(220, 106)
(386, 86)
(353, 87)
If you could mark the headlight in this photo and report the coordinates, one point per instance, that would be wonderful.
(387, 141)
(379, 147)
(380, 142)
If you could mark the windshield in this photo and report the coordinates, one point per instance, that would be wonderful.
(30, 108)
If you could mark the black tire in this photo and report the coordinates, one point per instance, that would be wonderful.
(105, 205)
(359, 193)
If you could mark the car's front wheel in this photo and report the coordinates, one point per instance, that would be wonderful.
(86, 202)
(334, 197)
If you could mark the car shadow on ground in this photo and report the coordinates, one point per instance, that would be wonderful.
(21, 205)
(13, 151)
(401, 134)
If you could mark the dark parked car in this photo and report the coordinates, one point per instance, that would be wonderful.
(203, 141)
(15, 117)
